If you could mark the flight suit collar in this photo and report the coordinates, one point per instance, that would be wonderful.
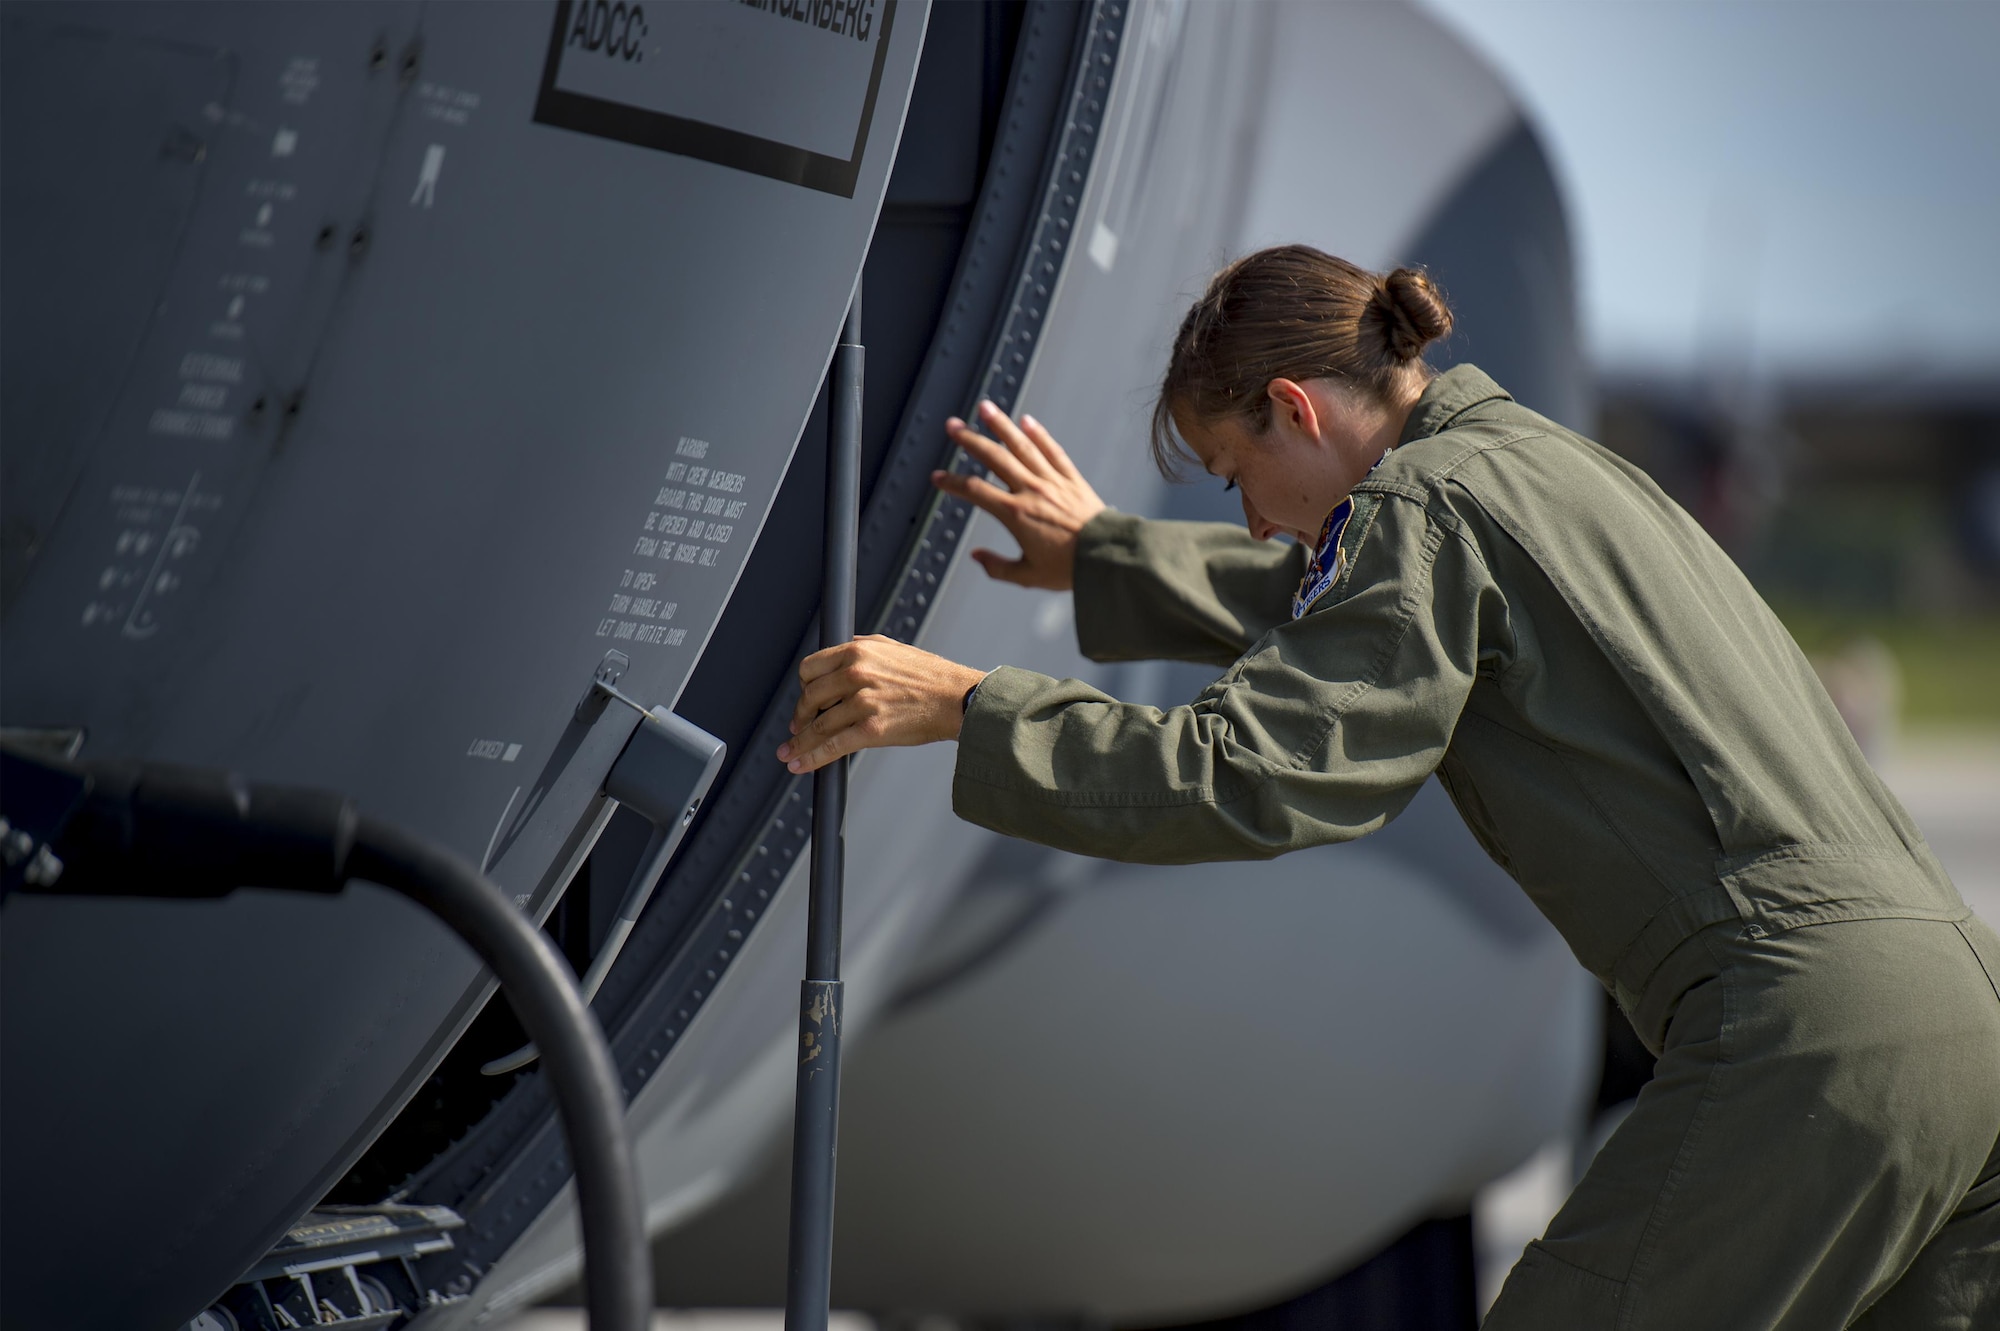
(1448, 397)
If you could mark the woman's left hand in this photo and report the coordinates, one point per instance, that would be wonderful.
(873, 693)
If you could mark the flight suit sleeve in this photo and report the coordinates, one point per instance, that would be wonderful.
(1322, 732)
(1182, 591)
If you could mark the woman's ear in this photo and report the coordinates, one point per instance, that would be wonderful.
(1291, 404)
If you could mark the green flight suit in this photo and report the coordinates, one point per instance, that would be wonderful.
(1630, 732)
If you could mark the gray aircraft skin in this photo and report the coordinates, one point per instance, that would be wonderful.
(357, 403)
(371, 372)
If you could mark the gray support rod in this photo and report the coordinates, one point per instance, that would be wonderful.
(816, 1115)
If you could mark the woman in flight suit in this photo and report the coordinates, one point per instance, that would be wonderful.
(1479, 593)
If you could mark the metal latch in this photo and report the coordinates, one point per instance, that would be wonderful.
(663, 775)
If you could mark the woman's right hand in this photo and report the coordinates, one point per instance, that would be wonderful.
(1046, 502)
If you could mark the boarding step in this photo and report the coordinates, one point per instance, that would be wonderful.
(340, 1266)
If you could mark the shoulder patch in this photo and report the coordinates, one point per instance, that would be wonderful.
(1346, 529)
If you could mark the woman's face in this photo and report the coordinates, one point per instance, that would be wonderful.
(1321, 441)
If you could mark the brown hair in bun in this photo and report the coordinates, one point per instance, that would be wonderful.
(1410, 312)
(1294, 312)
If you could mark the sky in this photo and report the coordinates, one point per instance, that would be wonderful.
(1813, 183)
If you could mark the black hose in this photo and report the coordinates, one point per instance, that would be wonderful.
(146, 830)
(618, 1277)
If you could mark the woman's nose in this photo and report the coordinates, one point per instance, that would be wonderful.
(1260, 527)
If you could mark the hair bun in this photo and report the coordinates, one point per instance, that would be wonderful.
(1414, 312)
